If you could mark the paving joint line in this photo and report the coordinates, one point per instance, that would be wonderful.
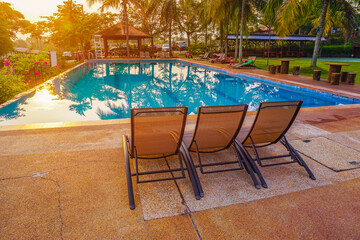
(185, 204)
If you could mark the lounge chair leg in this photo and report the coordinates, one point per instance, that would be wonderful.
(128, 174)
(192, 178)
(198, 156)
(255, 151)
(240, 159)
(247, 156)
(301, 161)
(191, 165)
(247, 166)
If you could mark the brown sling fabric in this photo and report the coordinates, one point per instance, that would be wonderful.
(217, 127)
(272, 121)
(157, 132)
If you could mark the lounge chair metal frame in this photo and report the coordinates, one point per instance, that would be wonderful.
(131, 152)
(242, 160)
(241, 65)
(295, 156)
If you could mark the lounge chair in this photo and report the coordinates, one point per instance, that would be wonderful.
(216, 129)
(203, 57)
(250, 62)
(222, 59)
(161, 54)
(271, 123)
(218, 59)
(156, 133)
(142, 55)
(147, 55)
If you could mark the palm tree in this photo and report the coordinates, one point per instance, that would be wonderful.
(123, 4)
(270, 12)
(187, 18)
(241, 30)
(168, 12)
(294, 13)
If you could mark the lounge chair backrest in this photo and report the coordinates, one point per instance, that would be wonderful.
(217, 127)
(147, 54)
(206, 55)
(157, 132)
(222, 56)
(272, 121)
(142, 54)
(253, 58)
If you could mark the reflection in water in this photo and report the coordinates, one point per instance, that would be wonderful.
(109, 91)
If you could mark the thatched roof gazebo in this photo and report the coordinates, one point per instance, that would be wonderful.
(118, 32)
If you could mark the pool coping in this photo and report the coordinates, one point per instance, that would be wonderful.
(126, 121)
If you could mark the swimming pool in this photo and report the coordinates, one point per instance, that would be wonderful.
(108, 90)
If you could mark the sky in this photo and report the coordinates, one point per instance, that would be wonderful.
(33, 9)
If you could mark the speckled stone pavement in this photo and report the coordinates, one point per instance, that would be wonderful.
(69, 182)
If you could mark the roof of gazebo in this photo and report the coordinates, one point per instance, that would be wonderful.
(118, 31)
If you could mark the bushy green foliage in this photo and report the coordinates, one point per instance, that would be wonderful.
(24, 71)
(336, 50)
(10, 84)
(200, 48)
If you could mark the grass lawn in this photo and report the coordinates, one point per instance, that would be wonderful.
(306, 69)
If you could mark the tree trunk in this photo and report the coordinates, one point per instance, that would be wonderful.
(206, 26)
(226, 36)
(221, 36)
(188, 38)
(269, 44)
(125, 18)
(206, 37)
(237, 40)
(170, 25)
(241, 31)
(325, 4)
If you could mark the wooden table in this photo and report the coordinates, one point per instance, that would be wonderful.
(335, 68)
(285, 66)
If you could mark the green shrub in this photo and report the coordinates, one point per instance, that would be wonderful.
(24, 71)
(10, 85)
(336, 50)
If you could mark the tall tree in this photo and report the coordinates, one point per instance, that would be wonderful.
(12, 22)
(168, 13)
(70, 26)
(294, 13)
(187, 18)
(242, 30)
(118, 4)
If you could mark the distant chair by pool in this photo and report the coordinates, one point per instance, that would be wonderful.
(250, 62)
(203, 57)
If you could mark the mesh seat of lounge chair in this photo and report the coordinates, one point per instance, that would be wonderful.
(250, 62)
(216, 130)
(156, 133)
(271, 123)
(203, 57)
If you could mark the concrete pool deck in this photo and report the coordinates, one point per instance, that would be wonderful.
(67, 181)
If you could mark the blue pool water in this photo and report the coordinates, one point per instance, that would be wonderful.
(99, 91)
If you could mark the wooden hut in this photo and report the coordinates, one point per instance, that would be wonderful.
(118, 32)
